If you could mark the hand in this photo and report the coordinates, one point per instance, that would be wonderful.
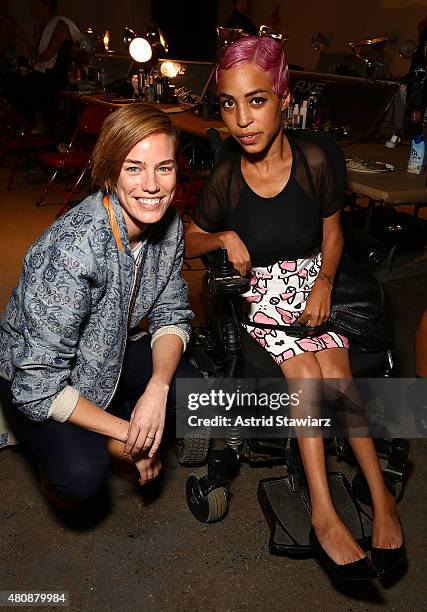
(147, 420)
(148, 467)
(237, 252)
(318, 306)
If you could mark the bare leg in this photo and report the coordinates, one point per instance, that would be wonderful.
(333, 536)
(421, 346)
(387, 532)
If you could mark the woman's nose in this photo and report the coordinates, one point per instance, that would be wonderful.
(149, 182)
(244, 117)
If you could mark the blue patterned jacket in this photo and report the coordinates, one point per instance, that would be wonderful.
(65, 327)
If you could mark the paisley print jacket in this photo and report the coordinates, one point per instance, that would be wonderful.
(81, 291)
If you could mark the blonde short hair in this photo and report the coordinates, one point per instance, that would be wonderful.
(121, 131)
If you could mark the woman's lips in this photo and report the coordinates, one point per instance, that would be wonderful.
(149, 203)
(249, 139)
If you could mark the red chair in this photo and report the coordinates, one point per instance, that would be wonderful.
(189, 185)
(15, 134)
(77, 156)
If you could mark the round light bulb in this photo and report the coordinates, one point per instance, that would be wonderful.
(170, 69)
(140, 50)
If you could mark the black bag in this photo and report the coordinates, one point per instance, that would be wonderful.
(357, 311)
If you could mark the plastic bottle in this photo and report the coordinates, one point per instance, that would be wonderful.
(417, 156)
(287, 119)
(304, 109)
(296, 117)
(101, 78)
(135, 86)
(141, 84)
(149, 92)
(313, 116)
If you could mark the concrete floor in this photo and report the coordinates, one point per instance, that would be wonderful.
(148, 552)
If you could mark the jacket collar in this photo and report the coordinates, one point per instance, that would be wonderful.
(117, 222)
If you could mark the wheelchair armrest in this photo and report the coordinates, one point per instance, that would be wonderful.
(364, 247)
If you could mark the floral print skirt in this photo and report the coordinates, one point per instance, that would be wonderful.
(277, 296)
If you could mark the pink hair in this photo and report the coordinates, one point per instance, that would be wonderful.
(265, 53)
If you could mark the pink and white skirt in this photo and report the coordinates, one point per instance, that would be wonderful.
(277, 296)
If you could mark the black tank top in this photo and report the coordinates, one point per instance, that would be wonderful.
(289, 225)
(286, 226)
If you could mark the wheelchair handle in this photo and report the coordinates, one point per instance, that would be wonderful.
(224, 278)
(224, 268)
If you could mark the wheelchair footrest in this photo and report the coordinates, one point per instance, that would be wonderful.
(289, 517)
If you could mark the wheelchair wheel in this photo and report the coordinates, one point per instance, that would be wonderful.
(209, 508)
(194, 447)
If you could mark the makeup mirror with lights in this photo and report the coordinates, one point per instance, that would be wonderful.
(372, 52)
(128, 35)
(189, 79)
(140, 50)
(226, 36)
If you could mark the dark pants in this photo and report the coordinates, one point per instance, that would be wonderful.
(74, 460)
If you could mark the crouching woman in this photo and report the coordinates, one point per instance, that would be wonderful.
(72, 357)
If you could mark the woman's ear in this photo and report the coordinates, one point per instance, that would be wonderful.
(285, 101)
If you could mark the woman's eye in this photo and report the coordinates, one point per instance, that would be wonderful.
(132, 169)
(258, 101)
(227, 104)
(165, 169)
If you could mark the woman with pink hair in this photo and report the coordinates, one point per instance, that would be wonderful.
(275, 206)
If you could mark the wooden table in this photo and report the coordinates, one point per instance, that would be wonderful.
(183, 118)
(395, 188)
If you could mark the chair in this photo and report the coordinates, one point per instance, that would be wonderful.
(16, 134)
(222, 352)
(221, 149)
(77, 155)
(189, 185)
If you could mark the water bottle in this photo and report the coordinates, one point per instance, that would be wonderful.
(417, 156)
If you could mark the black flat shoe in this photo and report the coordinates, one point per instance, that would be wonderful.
(386, 560)
(357, 570)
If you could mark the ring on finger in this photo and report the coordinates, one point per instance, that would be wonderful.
(150, 437)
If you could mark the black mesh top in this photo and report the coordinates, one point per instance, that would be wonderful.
(287, 226)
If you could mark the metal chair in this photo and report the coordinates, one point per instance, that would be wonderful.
(15, 134)
(77, 156)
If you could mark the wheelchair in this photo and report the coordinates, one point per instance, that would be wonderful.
(220, 349)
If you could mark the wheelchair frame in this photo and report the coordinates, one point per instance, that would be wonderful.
(216, 348)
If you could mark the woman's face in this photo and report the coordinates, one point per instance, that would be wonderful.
(146, 184)
(249, 107)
